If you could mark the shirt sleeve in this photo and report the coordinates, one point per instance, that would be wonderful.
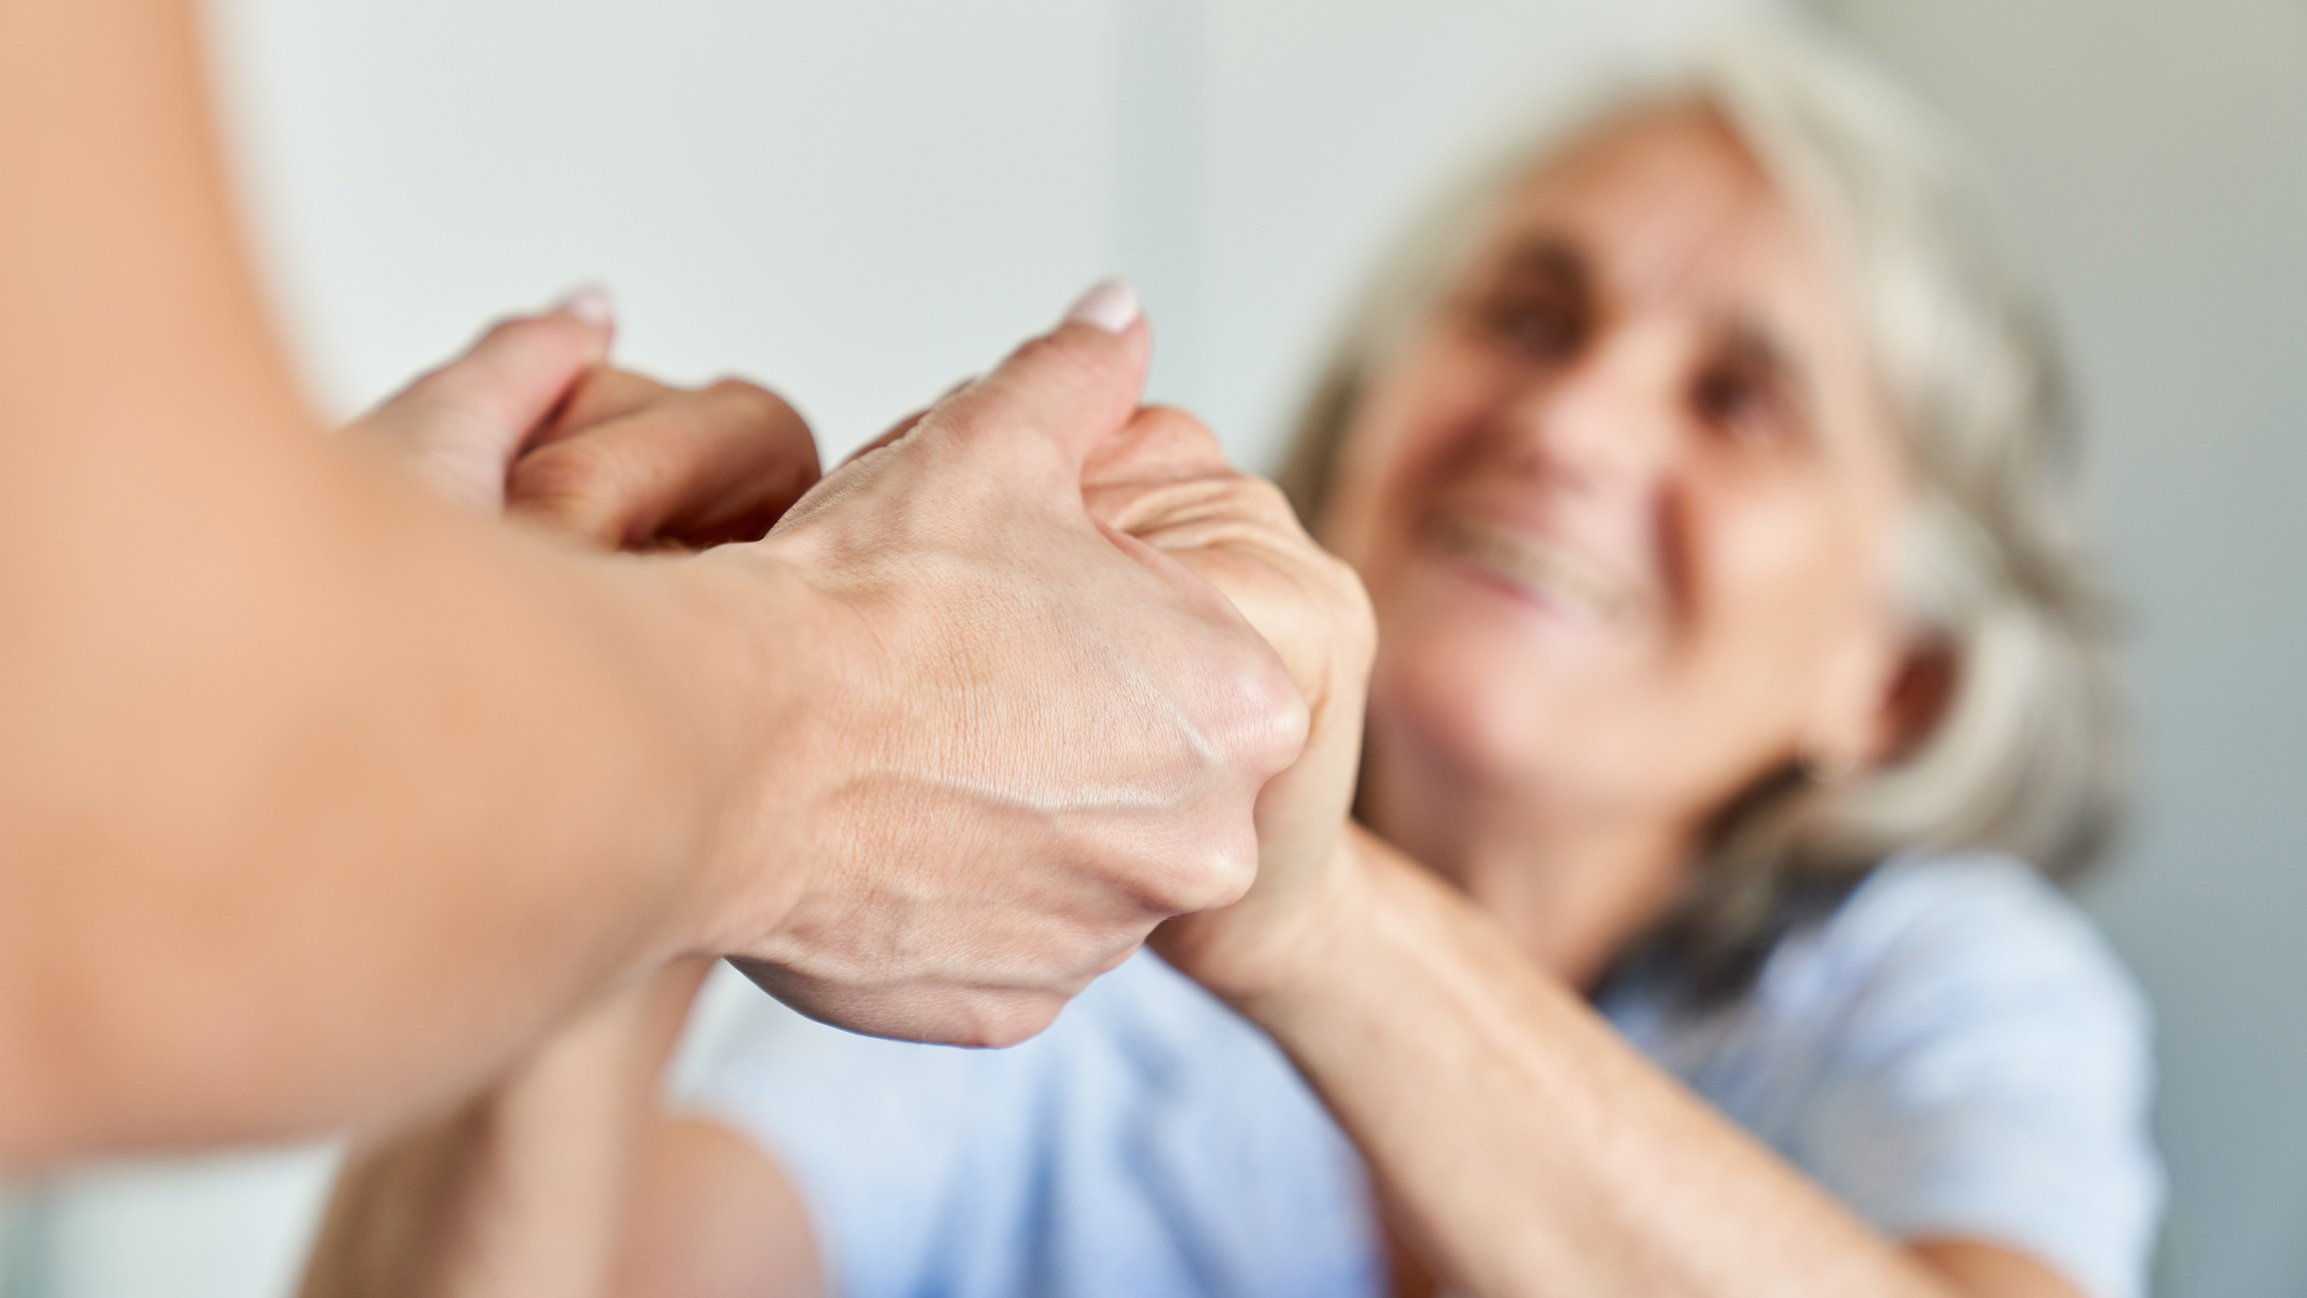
(877, 1136)
(1992, 1077)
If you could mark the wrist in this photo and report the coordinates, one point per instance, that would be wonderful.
(1307, 949)
(748, 664)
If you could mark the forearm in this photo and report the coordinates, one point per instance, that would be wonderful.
(316, 799)
(1522, 1147)
(522, 1189)
(321, 829)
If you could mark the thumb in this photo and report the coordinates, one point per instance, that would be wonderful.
(464, 423)
(1069, 389)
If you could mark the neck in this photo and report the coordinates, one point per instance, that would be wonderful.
(1571, 887)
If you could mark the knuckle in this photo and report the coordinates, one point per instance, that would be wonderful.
(755, 401)
(1220, 872)
(1175, 444)
(771, 422)
(579, 467)
(1175, 428)
(1006, 1019)
(1269, 718)
(1233, 867)
(1287, 727)
(618, 388)
(572, 482)
(1261, 500)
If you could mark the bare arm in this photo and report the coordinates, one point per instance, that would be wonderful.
(567, 1178)
(571, 1145)
(205, 602)
(522, 1187)
(563, 1176)
(1523, 1148)
(320, 800)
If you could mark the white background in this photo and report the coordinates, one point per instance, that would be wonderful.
(862, 203)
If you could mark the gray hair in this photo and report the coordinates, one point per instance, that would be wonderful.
(2028, 754)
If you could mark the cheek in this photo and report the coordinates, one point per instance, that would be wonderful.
(1414, 419)
(1776, 586)
(1664, 727)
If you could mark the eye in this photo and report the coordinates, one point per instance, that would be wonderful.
(1745, 401)
(1543, 324)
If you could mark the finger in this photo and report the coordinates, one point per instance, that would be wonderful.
(465, 421)
(605, 393)
(712, 466)
(1157, 442)
(1165, 472)
(1066, 390)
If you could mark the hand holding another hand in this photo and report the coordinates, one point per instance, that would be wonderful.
(1041, 740)
(1027, 740)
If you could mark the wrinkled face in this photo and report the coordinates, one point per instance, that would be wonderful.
(1625, 499)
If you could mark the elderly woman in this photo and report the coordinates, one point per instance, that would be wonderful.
(1737, 686)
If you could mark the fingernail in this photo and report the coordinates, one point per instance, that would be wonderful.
(590, 304)
(1110, 304)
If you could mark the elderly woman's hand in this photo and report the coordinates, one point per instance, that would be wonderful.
(532, 420)
(1165, 483)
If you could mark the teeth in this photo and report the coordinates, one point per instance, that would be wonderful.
(1536, 564)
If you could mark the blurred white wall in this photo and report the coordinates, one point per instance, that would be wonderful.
(859, 203)
(2156, 154)
(862, 203)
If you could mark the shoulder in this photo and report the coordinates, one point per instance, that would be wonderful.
(1979, 1064)
(1948, 949)
(1974, 938)
(1940, 896)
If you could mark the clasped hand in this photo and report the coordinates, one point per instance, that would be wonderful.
(1073, 675)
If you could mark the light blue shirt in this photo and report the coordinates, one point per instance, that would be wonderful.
(1954, 1051)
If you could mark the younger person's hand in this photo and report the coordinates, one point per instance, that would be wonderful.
(1030, 739)
(532, 419)
(1039, 739)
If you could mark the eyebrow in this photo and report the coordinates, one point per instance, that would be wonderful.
(1551, 257)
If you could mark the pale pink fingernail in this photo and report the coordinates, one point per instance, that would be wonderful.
(1110, 304)
(590, 304)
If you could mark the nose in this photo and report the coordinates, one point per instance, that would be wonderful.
(1602, 423)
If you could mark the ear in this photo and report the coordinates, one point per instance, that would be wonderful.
(1885, 693)
(1917, 700)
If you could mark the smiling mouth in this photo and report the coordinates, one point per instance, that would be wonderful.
(1554, 575)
